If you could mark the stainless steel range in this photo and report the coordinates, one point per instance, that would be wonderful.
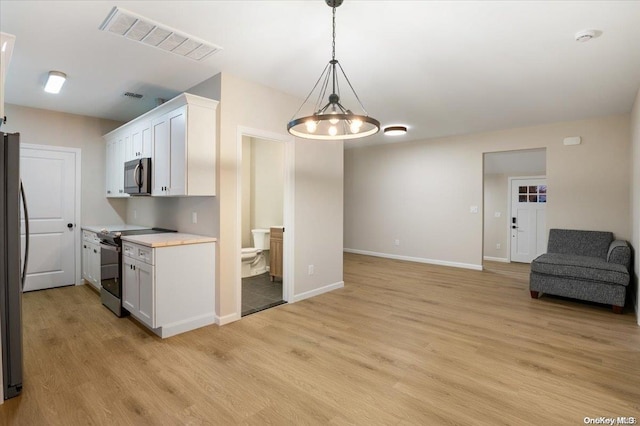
(111, 266)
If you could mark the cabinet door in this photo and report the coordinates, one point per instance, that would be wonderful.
(85, 261)
(110, 159)
(94, 264)
(130, 286)
(146, 147)
(140, 141)
(161, 155)
(177, 138)
(147, 296)
(118, 166)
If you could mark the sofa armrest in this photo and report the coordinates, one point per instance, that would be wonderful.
(619, 252)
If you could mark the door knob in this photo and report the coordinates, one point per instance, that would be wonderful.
(69, 225)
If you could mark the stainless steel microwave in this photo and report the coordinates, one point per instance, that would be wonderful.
(137, 177)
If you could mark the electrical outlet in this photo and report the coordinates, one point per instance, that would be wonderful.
(498, 246)
(194, 217)
(497, 214)
(135, 214)
(311, 270)
(396, 242)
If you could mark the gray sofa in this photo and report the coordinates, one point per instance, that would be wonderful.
(585, 265)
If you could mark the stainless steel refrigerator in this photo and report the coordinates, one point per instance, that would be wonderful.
(12, 268)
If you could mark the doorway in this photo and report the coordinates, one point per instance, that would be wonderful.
(264, 205)
(51, 179)
(500, 239)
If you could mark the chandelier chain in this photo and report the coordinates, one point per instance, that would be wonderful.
(333, 45)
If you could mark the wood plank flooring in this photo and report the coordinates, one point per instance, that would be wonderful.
(401, 344)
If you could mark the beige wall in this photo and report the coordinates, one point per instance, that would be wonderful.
(635, 196)
(421, 192)
(262, 186)
(246, 193)
(496, 229)
(267, 183)
(44, 127)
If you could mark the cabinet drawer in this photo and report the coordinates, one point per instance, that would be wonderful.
(128, 250)
(135, 251)
(90, 237)
(144, 254)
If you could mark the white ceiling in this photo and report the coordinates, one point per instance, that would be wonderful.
(442, 68)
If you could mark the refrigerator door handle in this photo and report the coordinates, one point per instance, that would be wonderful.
(26, 239)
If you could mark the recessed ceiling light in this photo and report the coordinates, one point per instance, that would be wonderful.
(586, 35)
(395, 130)
(55, 81)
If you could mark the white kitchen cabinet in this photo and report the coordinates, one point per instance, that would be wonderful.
(170, 289)
(91, 271)
(115, 159)
(169, 146)
(180, 138)
(137, 289)
(140, 143)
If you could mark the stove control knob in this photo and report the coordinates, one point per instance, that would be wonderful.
(117, 234)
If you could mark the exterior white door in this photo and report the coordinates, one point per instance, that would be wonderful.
(49, 179)
(528, 219)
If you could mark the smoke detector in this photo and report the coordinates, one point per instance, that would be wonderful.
(586, 35)
(143, 30)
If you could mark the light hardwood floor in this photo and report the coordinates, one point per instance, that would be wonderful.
(402, 343)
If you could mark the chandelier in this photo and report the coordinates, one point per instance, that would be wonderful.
(330, 120)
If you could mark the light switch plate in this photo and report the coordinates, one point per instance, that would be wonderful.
(473, 209)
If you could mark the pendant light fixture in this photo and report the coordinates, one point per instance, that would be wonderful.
(330, 120)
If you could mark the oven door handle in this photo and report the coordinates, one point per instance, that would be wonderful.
(109, 247)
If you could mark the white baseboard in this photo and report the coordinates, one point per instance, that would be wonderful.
(416, 259)
(228, 318)
(316, 292)
(496, 259)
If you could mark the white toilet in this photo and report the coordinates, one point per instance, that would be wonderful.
(254, 261)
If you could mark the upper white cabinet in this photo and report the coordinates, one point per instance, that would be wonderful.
(6, 49)
(180, 138)
(115, 158)
(140, 145)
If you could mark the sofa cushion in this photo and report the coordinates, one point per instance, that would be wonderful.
(582, 243)
(580, 268)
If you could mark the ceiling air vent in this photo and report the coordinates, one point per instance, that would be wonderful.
(135, 27)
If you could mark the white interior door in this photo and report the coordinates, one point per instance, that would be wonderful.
(49, 179)
(528, 219)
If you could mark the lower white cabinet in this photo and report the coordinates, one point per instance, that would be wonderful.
(91, 258)
(138, 290)
(169, 289)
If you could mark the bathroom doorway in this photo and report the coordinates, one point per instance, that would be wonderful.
(262, 199)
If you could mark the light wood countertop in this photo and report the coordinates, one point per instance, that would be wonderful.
(167, 239)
